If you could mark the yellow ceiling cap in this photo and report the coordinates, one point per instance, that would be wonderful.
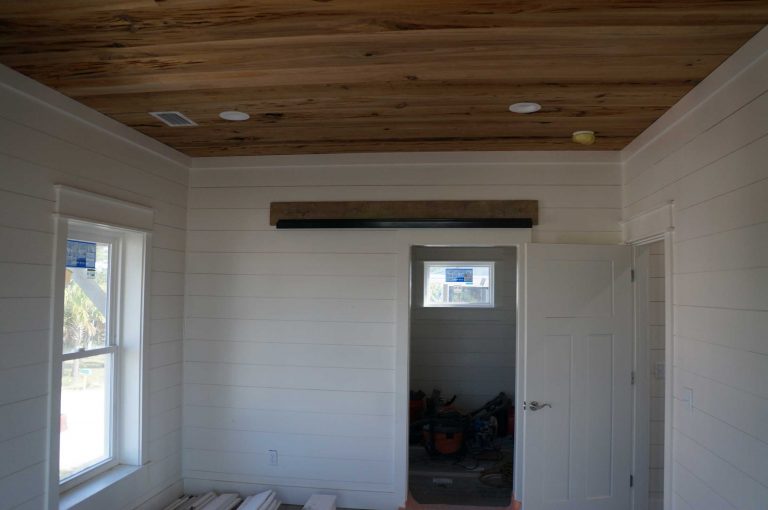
(584, 137)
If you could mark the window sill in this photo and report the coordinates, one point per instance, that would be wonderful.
(80, 494)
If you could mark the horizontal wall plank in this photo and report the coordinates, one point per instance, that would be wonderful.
(742, 410)
(289, 331)
(740, 208)
(738, 329)
(414, 174)
(257, 464)
(741, 248)
(292, 264)
(307, 378)
(24, 348)
(282, 241)
(696, 493)
(23, 416)
(25, 212)
(548, 196)
(289, 286)
(733, 367)
(24, 314)
(334, 310)
(739, 288)
(24, 280)
(295, 423)
(316, 401)
(735, 131)
(737, 487)
(260, 354)
(741, 450)
(26, 246)
(308, 444)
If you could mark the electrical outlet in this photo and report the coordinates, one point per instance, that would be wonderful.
(273, 457)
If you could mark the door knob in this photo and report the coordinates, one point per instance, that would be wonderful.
(535, 405)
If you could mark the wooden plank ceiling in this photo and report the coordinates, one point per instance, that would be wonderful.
(326, 76)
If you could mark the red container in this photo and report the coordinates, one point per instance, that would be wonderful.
(416, 410)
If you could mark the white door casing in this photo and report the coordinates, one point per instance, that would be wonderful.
(578, 359)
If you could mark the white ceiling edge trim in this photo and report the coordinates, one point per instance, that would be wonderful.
(51, 98)
(411, 158)
(735, 65)
(101, 209)
(648, 224)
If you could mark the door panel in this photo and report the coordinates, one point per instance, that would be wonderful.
(578, 358)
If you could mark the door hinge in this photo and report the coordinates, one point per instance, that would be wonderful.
(631, 481)
(632, 274)
(632, 377)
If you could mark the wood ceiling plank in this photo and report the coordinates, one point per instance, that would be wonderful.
(398, 95)
(391, 48)
(170, 21)
(609, 70)
(362, 76)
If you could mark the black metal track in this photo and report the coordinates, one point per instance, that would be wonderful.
(408, 223)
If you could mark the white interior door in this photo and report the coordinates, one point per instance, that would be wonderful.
(578, 362)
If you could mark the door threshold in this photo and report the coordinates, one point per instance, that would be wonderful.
(412, 504)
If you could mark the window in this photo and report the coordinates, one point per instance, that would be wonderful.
(458, 284)
(99, 311)
(90, 353)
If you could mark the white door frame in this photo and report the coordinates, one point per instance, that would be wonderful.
(404, 240)
(641, 392)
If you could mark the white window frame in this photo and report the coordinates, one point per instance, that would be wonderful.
(133, 223)
(460, 263)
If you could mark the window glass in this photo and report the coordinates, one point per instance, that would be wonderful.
(458, 284)
(85, 421)
(86, 296)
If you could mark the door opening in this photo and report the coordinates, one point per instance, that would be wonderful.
(650, 370)
(463, 341)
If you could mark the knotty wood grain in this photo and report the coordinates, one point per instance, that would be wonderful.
(372, 76)
(416, 210)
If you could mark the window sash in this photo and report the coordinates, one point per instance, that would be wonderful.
(111, 459)
(94, 233)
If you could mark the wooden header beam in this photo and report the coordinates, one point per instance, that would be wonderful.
(406, 210)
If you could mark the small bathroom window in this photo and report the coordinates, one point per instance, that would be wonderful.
(458, 284)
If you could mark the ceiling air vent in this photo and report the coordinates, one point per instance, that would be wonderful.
(173, 119)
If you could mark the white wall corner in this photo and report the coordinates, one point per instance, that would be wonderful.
(742, 60)
(36, 91)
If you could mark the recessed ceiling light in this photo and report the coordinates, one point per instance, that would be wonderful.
(524, 107)
(234, 115)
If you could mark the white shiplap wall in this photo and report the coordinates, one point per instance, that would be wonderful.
(53, 140)
(290, 335)
(709, 155)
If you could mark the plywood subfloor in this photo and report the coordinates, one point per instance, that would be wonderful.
(465, 488)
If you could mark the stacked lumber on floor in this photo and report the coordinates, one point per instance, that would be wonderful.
(266, 500)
